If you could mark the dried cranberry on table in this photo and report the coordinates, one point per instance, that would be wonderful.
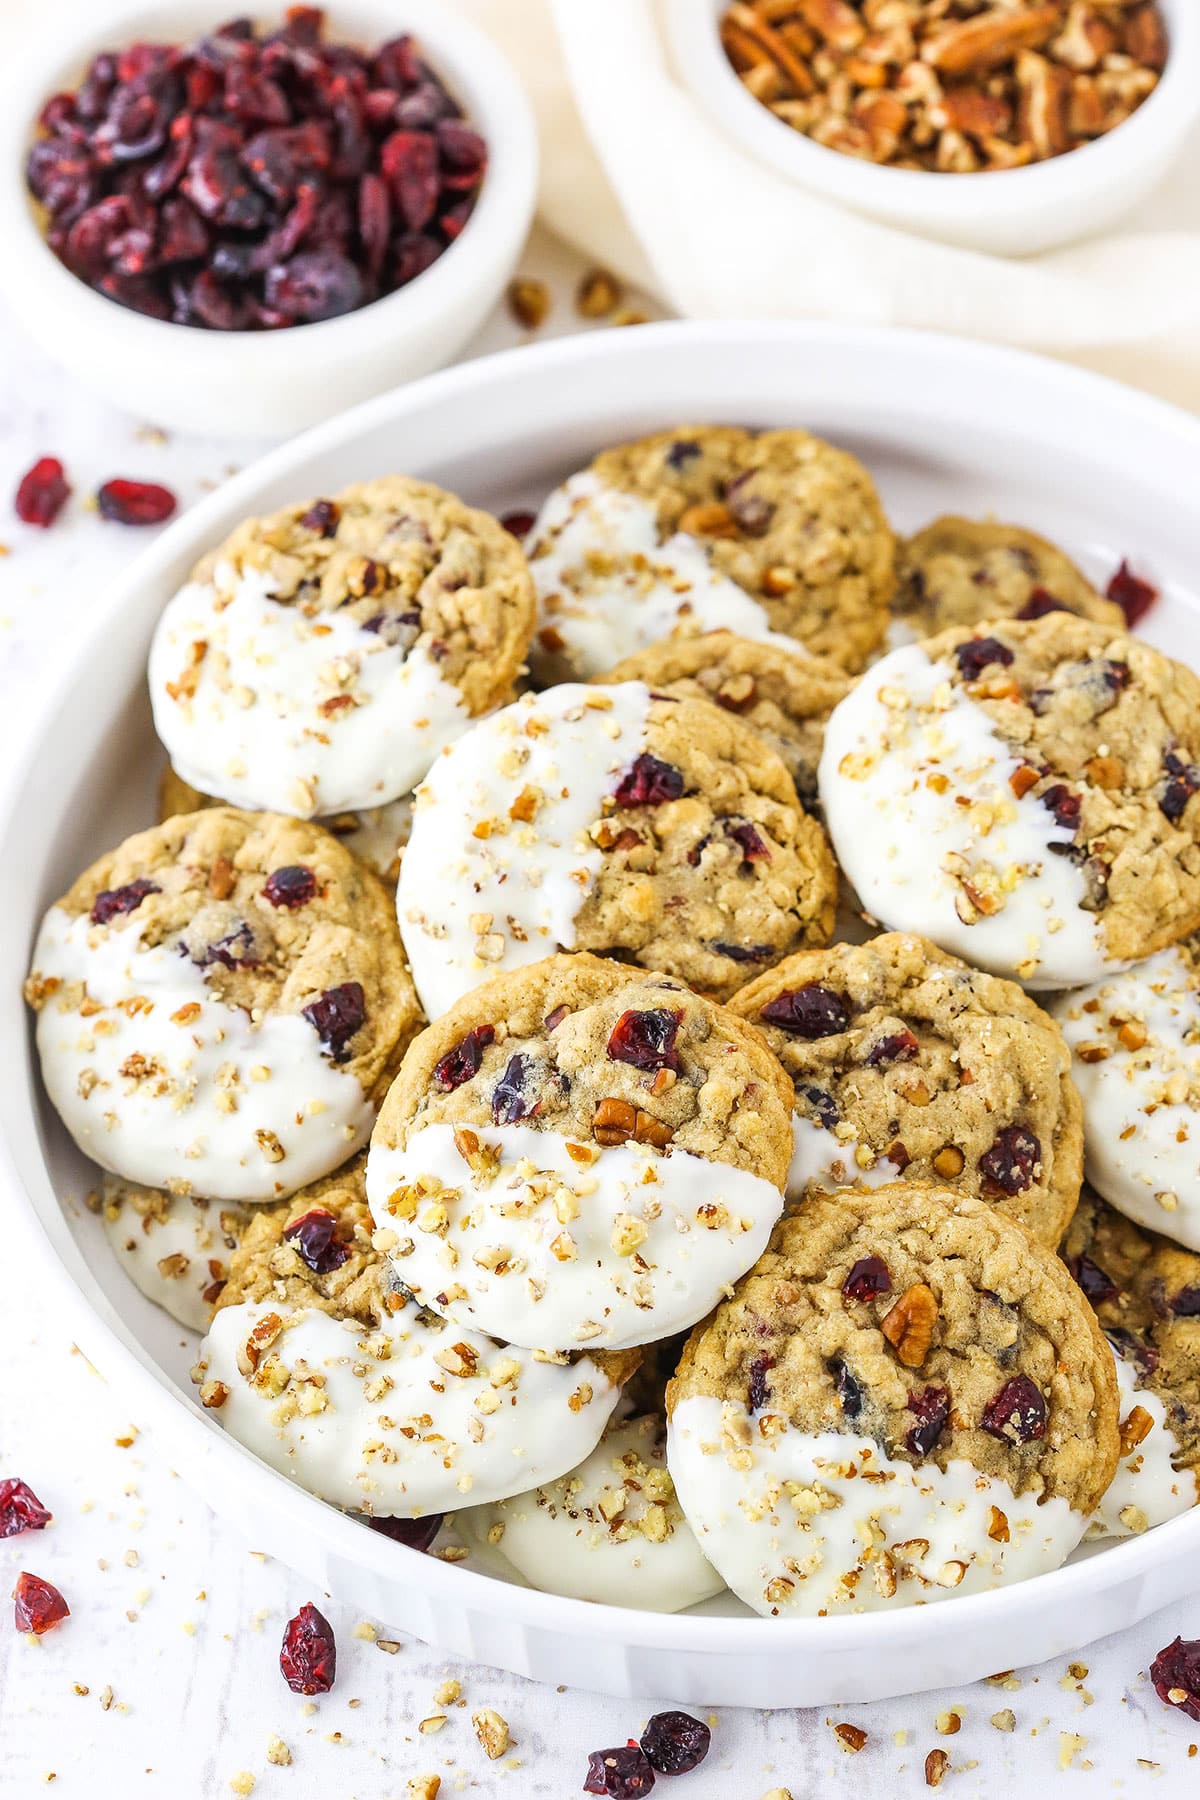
(135, 502)
(1175, 1673)
(20, 1508)
(1132, 593)
(37, 1605)
(675, 1742)
(623, 1773)
(253, 180)
(308, 1654)
(42, 493)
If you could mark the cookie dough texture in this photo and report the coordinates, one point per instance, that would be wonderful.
(958, 572)
(906, 1061)
(984, 1303)
(268, 1266)
(729, 1100)
(785, 698)
(794, 521)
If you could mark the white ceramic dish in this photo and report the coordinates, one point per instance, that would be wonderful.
(945, 426)
(1013, 212)
(270, 383)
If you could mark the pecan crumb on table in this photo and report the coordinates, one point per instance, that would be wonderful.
(954, 86)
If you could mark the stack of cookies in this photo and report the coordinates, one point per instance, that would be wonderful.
(681, 1183)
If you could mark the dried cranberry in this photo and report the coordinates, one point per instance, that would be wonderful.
(20, 1509)
(675, 1743)
(336, 1016)
(648, 782)
(322, 517)
(978, 654)
(1175, 1673)
(135, 502)
(1186, 1303)
(417, 1534)
(460, 1063)
(749, 840)
(743, 953)
(812, 1011)
(869, 1276)
(110, 902)
(759, 1388)
(898, 1046)
(682, 452)
(315, 1240)
(623, 1772)
(1132, 593)
(308, 1655)
(37, 1605)
(849, 1391)
(751, 513)
(1010, 1163)
(42, 493)
(519, 523)
(1039, 604)
(510, 1097)
(646, 1039)
(823, 1104)
(1064, 805)
(292, 886)
(931, 1408)
(238, 949)
(1092, 1280)
(1016, 1412)
(1182, 782)
(1132, 1349)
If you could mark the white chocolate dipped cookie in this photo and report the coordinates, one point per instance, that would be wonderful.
(174, 1249)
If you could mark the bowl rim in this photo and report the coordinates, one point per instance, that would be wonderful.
(475, 71)
(998, 193)
(178, 1418)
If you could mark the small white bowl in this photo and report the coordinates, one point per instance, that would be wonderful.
(1012, 212)
(272, 383)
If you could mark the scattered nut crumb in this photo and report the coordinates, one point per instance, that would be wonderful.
(388, 1645)
(364, 1629)
(850, 1737)
(1069, 1746)
(1006, 1720)
(492, 1731)
(424, 1787)
(948, 1723)
(242, 1783)
(447, 1693)
(528, 302)
(936, 1765)
(278, 1752)
(433, 1723)
(597, 295)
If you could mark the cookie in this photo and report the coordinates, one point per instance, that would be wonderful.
(322, 656)
(611, 1531)
(960, 572)
(707, 527)
(907, 1062)
(220, 1000)
(580, 1154)
(656, 829)
(1135, 1040)
(1146, 1294)
(175, 1250)
(376, 835)
(322, 1367)
(1024, 796)
(907, 1398)
(784, 697)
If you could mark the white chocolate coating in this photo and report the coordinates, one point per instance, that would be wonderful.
(901, 750)
(404, 1420)
(252, 719)
(609, 587)
(483, 887)
(174, 1250)
(823, 1160)
(557, 1245)
(1135, 1058)
(804, 1524)
(207, 1104)
(1147, 1489)
(610, 1530)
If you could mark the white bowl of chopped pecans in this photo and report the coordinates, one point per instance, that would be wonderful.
(1055, 117)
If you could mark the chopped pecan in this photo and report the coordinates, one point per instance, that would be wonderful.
(990, 39)
(614, 1122)
(908, 1326)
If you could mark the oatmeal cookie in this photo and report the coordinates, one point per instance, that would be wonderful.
(1146, 1294)
(905, 1399)
(959, 572)
(1135, 1041)
(1025, 795)
(175, 1250)
(773, 533)
(580, 1153)
(907, 1062)
(322, 1365)
(611, 1531)
(783, 697)
(376, 835)
(220, 1001)
(656, 829)
(320, 659)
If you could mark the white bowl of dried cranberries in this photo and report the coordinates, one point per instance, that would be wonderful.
(241, 226)
(1007, 129)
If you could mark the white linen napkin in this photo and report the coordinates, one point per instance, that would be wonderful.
(638, 176)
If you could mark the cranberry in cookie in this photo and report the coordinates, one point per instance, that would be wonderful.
(322, 656)
(905, 1062)
(580, 1154)
(906, 1399)
(617, 820)
(1024, 795)
(219, 1002)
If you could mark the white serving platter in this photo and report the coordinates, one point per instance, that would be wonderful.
(945, 426)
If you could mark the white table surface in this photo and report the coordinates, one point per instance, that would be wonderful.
(165, 1679)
